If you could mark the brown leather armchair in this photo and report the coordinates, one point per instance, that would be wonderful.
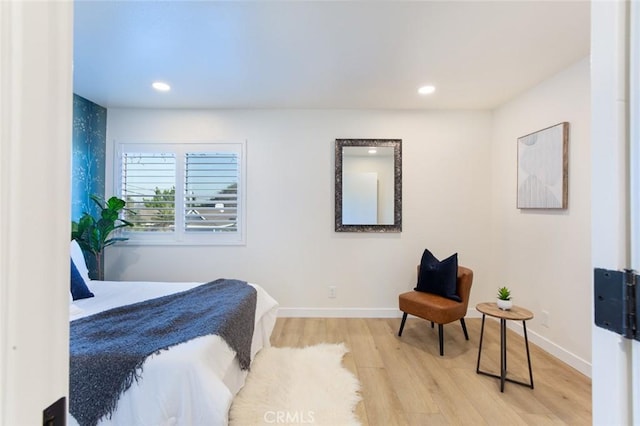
(438, 309)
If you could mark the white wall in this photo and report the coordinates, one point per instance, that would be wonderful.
(544, 255)
(292, 249)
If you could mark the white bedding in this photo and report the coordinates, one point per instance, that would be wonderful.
(190, 384)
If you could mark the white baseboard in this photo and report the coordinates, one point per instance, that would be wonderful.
(555, 350)
(339, 313)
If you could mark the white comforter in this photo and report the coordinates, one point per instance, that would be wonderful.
(191, 384)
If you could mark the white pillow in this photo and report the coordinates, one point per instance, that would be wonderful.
(78, 260)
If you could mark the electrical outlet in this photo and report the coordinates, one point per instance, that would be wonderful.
(332, 291)
(544, 318)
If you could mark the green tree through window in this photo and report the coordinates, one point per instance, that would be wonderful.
(163, 202)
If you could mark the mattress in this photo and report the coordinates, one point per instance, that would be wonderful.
(190, 384)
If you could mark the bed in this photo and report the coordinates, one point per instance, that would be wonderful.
(192, 383)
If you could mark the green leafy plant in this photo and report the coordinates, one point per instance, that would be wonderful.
(504, 293)
(93, 235)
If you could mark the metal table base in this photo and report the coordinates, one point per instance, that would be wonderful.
(503, 355)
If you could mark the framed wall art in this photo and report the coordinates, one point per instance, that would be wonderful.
(543, 168)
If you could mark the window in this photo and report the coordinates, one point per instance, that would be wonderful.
(148, 188)
(183, 193)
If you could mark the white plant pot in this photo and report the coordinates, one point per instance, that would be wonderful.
(505, 305)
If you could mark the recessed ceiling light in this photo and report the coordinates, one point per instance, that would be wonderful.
(372, 151)
(426, 90)
(161, 86)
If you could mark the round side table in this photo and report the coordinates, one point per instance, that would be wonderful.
(516, 313)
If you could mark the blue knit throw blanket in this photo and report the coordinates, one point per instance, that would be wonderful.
(108, 349)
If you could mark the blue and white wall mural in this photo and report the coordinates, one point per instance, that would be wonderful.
(88, 155)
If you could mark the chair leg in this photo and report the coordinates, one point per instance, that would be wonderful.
(404, 318)
(441, 338)
(464, 328)
(431, 324)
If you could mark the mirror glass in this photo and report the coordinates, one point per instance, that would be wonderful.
(368, 185)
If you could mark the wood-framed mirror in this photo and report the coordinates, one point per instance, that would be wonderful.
(368, 185)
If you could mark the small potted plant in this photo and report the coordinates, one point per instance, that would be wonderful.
(504, 299)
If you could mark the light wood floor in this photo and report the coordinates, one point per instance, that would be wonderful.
(404, 381)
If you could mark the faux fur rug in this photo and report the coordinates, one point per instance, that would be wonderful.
(298, 386)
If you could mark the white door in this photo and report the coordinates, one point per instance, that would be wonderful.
(360, 198)
(35, 159)
(615, 211)
(634, 82)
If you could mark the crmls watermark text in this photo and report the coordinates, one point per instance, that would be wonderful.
(284, 417)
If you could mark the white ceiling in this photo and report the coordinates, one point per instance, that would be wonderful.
(322, 54)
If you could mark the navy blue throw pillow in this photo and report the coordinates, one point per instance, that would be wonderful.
(79, 289)
(439, 277)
